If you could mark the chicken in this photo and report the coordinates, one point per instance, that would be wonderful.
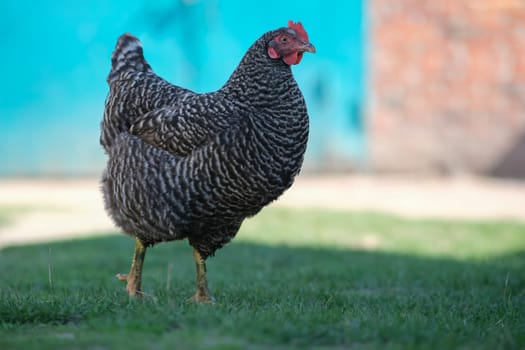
(188, 165)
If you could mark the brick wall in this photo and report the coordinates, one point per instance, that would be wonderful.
(447, 86)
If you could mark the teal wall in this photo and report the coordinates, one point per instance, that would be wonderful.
(55, 57)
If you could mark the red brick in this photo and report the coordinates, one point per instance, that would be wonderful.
(447, 81)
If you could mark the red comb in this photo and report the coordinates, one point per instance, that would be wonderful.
(298, 27)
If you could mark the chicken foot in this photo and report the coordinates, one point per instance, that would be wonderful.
(134, 277)
(202, 293)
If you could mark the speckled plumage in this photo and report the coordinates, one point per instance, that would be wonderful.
(187, 165)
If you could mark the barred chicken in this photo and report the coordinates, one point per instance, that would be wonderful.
(184, 165)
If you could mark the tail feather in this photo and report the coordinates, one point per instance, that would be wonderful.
(127, 56)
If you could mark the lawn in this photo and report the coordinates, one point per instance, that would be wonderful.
(292, 279)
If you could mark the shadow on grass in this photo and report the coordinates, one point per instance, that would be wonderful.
(267, 295)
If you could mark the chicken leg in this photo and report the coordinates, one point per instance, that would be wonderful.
(202, 294)
(134, 277)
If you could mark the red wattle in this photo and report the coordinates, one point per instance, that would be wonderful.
(293, 58)
(299, 57)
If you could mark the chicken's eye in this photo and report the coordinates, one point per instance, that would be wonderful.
(284, 39)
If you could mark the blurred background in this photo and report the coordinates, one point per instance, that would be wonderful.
(412, 86)
(419, 89)
(57, 58)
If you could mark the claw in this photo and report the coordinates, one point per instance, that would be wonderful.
(122, 277)
(201, 299)
(134, 277)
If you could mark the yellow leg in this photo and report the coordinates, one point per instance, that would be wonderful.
(202, 294)
(134, 277)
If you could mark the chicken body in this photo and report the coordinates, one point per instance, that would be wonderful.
(188, 165)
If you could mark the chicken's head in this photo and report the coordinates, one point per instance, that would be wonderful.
(289, 44)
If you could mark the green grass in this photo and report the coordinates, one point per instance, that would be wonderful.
(291, 280)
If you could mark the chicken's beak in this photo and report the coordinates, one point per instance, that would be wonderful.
(307, 47)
